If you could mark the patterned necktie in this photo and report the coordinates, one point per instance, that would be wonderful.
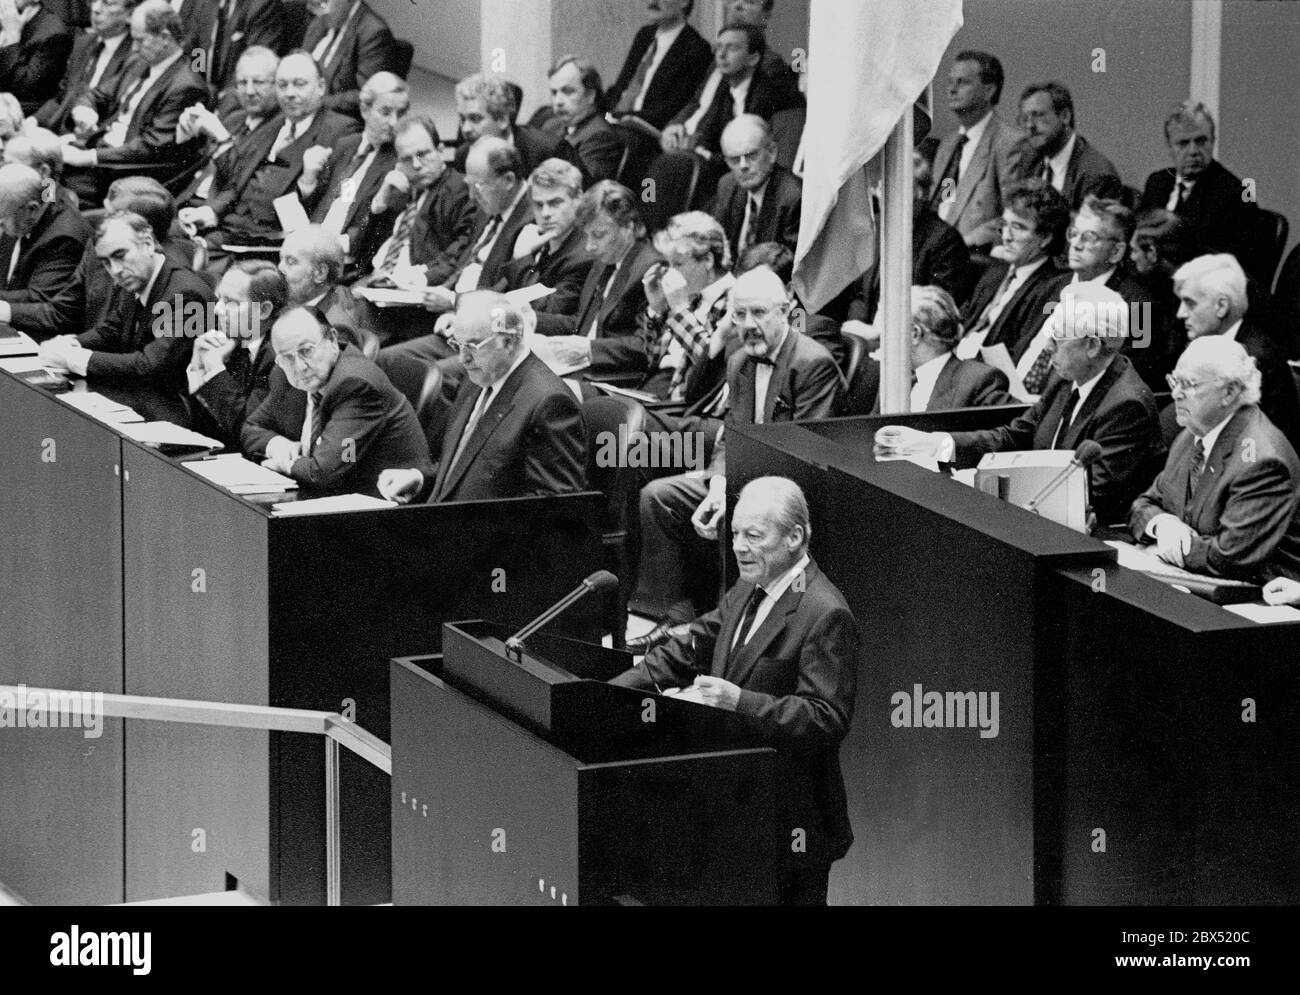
(1036, 378)
(626, 102)
(401, 237)
(317, 420)
(286, 137)
(951, 175)
(1067, 417)
(1047, 174)
(750, 235)
(88, 73)
(124, 105)
(746, 620)
(1196, 470)
(1181, 189)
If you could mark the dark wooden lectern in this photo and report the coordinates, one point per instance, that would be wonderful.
(537, 783)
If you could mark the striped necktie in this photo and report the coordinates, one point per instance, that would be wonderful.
(317, 420)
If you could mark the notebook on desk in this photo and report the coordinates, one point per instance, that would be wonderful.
(1220, 590)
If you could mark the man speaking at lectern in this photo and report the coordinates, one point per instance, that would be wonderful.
(782, 650)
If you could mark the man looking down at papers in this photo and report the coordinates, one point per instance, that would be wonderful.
(781, 650)
(1092, 392)
(1226, 502)
(332, 420)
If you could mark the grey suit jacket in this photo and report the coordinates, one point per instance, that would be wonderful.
(977, 199)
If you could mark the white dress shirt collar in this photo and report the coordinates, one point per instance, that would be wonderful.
(927, 375)
(1233, 331)
(143, 295)
(771, 595)
(1061, 161)
(976, 131)
(1212, 436)
(495, 385)
(739, 92)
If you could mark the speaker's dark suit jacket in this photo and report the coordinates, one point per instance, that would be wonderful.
(368, 427)
(367, 48)
(150, 343)
(563, 267)
(55, 113)
(443, 231)
(683, 69)
(798, 677)
(341, 169)
(1215, 214)
(255, 22)
(31, 70)
(49, 257)
(1023, 315)
(236, 170)
(238, 390)
(965, 383)
(778, 218)
(618, 346)
(1119, 415)
(530, 441)
(1086, 172)
(151, 134)
(1244, 509)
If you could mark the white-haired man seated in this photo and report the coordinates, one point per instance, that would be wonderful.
(1226, 502)
(782, 651)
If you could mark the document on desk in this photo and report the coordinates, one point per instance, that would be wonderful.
(340, 502)
(526, 295)
(16, 343)
(241, 476)
(100, 407)
(164, 433)
(1137, 558)
(22, 364)
(290, 212)
(1265, 614)
(390, 296)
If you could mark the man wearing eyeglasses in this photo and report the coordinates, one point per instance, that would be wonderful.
(759, 200)
(1093, 392)
(332, 419)
(514, 430)
(1227, 501)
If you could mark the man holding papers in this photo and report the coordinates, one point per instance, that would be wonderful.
(332, 420)
(1092, 392)
(1226, 502)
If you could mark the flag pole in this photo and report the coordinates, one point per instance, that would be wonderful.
(894, 317)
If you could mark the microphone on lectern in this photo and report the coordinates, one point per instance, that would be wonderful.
(1084, 456)
(599, 582)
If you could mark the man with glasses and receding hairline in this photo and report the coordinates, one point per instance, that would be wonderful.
(332, 420)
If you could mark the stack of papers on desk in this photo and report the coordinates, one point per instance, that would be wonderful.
(390, 296)
(16, 343)
(22, 364)
(1265, 613)
(100, 407)
(341, 502)
(164, 433)
(241, 476)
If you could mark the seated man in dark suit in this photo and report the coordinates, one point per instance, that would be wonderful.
(273, 162)
(1009, 303)
(939, 379)
(758, 200)
(99, 57)
(354, 173)
(41, 240)
(666, 64)
(311, 260)
(34, 48)
(221, 31)
(42, 151)
(1227, 502)
(134, 126)
(331, 420)
(230, 369)
(778, 374)
(350, 42)
(604, 336)
(577, 99)
(486, 106)
(1206, 195)
(422, 214)
(782, 651)
(1094, 393)
(514, 430)
(145, 337)
(1212, 300)
(1056, 153)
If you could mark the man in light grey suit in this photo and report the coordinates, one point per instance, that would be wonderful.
(978, 162)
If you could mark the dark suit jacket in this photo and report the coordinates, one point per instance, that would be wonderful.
(798, 678)
(1119, 415)
(236, 170)
(531, 441)
(939, 258)
(564, 268)
(255, 22)
(150, 343)
(684, 67)
(778, 218)
(342, 307)
(31, 70)
(1086, 172)
(1024, 314)
(618, 346)
(1217, 218)
(993, 169)
(368, 426)
(49, 258)
(598, 147)
(364, 185)
(366, 48)
(535, 146)
(766, 95)
(1244, 510)
(151, 135)
(442, 233)
(238, 390)
(965, 383)
(235, 122)
(55, 113)
(1277, 384)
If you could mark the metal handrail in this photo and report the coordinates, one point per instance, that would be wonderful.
(337, 731)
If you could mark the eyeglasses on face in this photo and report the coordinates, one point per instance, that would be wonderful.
(303, 354)
(1088, 239)
(465, 345)
(416, 158)
(1181, 385)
